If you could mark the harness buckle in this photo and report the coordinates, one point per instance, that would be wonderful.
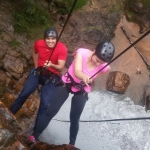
(86, 95)
(35, 72)
(53, 80)
(64, 84)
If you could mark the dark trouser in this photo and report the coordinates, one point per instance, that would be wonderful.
(59, 97)
(31, 84)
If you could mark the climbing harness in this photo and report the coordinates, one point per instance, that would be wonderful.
(72, 83)
(51, 77)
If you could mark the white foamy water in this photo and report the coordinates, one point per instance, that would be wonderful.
(116, 135)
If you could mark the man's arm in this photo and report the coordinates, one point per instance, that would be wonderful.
(59, 66)
(35, 58)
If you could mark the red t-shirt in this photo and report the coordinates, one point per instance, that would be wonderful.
(44, 52)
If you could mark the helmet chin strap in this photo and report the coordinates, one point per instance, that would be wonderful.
(122, 52)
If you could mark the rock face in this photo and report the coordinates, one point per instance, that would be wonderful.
(93, 23)
(138, 12)
(131, 61)
(9, 129)
(43, 145)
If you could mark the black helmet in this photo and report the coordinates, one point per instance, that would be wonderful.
(50, 32)
(105, 51)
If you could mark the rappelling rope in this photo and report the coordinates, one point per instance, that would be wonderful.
(107, 120)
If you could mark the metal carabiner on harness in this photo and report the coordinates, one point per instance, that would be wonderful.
(35, 72)
(53, 80)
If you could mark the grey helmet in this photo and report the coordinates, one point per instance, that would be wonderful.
(51, 32)
(105, 51)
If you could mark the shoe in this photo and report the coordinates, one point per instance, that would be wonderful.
(32, 139)
(25, 141)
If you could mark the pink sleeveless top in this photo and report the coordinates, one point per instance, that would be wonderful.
(84, 53)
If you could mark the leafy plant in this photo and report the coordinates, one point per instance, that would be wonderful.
(64, 6)
(138, 12)
(113, 9)
(31, 16)
(131, 16)
(145, 3)
(14, 44)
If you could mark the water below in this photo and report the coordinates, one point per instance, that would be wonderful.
(116, 135)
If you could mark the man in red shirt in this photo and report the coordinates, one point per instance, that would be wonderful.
(45, 50)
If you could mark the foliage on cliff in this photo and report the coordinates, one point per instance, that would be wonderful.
(139, 12)
(31, 16)
(64, 6)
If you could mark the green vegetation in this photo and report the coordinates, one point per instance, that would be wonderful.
(90, 28)
(113, 9)
(133, 14)
(14, 44)
(146, 3)
(64, 6)
(138, 12)
(117, 7)
(30, 17)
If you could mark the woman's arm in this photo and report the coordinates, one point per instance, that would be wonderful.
(78, 69)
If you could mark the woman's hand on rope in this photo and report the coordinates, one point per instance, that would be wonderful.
(86, 79)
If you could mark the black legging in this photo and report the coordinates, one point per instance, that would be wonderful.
(59, 97)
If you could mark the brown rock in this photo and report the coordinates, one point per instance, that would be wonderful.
(9, 128)
(46, 146)
(8, 99)
(117, 82)
(42, 145)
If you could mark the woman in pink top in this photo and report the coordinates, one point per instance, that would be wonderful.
(77, 81)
